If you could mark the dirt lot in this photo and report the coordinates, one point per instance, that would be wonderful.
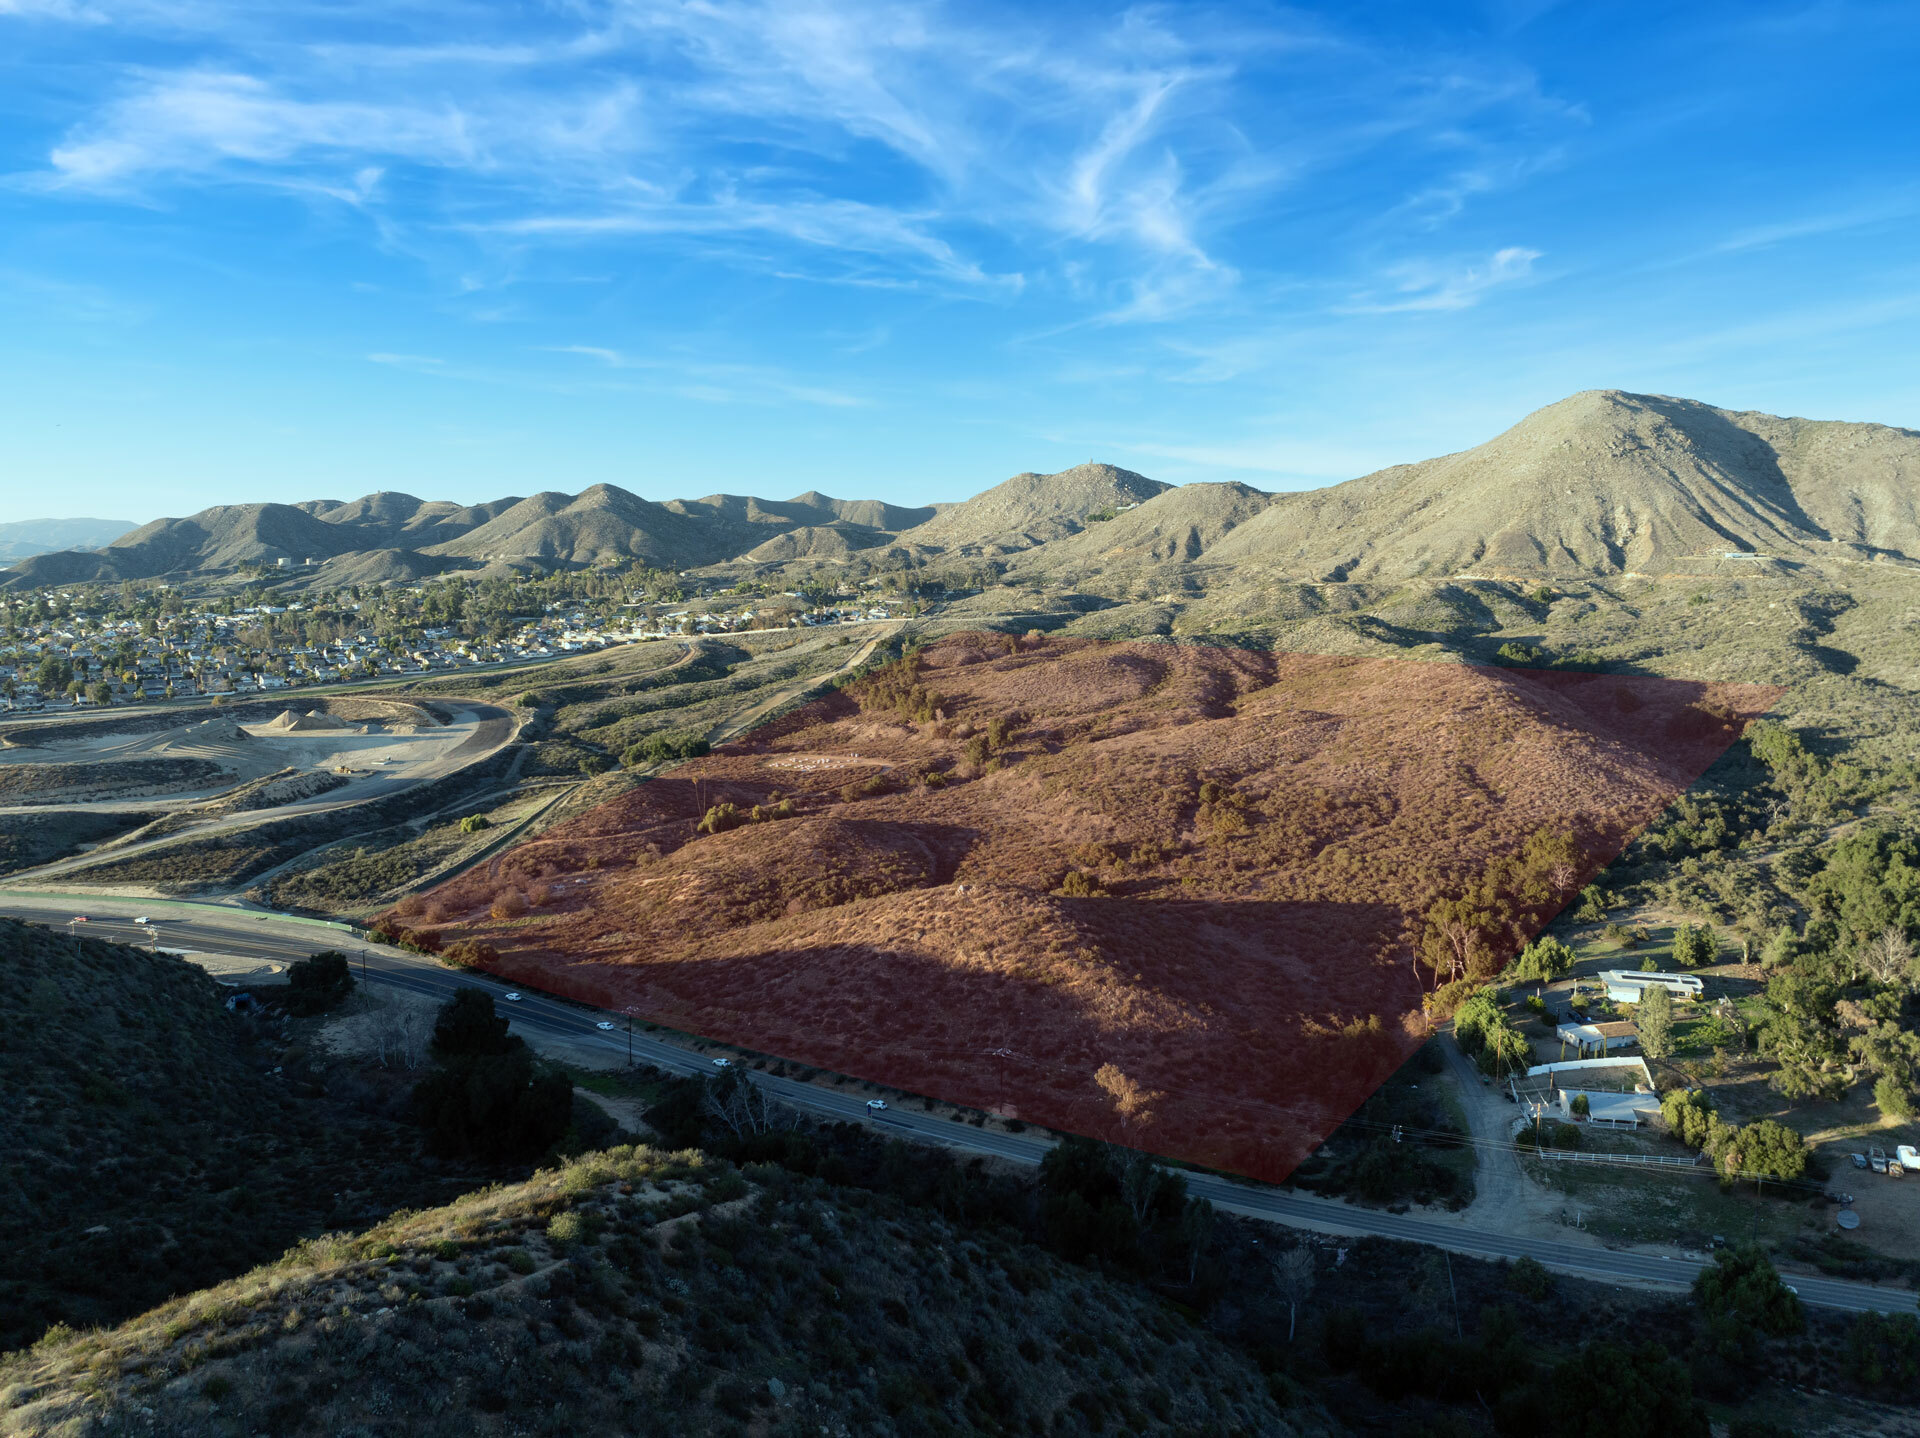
(1161, 893)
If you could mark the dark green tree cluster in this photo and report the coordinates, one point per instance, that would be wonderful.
(1122, 1207)
(1541, 962)
(1763, 1149)
(1601, 1390)
(897, 689)
(1469, 937)
(486, 1097)
(1816, 789)
(1740, 1301)
(665, 748)
(1883, 1353)
(1487, 1036)
(319, 982)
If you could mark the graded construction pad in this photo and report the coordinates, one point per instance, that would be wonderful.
(1170, 895)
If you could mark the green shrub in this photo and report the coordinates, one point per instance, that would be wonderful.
(720, 818)
(474, 823)
(519, 1261)
(1529, 1278)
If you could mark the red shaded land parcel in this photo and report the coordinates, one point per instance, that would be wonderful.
(1000, 867)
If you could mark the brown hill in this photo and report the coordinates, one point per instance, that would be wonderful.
(391, 537)
(1176, 526)
(1032, 509)
(830, 542)
(600, 523)
(1605, 483)
(1174, 859)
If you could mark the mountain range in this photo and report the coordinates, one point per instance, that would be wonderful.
(1604, 482)
(26, 537)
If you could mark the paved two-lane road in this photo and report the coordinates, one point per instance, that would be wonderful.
(221, 930)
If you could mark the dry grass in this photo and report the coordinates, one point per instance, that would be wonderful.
(1255, 835)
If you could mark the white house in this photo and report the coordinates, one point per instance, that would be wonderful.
(1624, 986)
(1598, 1038)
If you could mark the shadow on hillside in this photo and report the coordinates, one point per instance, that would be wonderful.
(1261, 1025)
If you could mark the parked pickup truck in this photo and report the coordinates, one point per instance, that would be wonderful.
(1906, 1160)
(1877, 1159)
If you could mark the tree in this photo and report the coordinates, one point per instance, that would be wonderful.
(1761, 1149)
(1689, 1115)
(1741, 1299)
(1148, 1188)
(1609, 1389)
(1887, 958)
(1294, 1276)
(743, 1107)
(1542, 961)
(468, 1026)
(486, 1096)
(319, 982)
(494, 1106)
(1653, 1018)
(1460, 938)
(1694, 945)
(1196, 1228)
(1893, 1098)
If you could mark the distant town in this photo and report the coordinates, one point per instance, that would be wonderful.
(92, 647)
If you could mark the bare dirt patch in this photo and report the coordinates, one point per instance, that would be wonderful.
(1205, 868)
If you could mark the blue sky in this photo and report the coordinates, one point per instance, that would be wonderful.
(901, 250)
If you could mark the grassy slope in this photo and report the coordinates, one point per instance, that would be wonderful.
(638, 1292)
(148, 1152)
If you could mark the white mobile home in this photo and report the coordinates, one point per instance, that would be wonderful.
(1624, 986)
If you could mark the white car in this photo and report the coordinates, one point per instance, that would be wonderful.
(511, 998)
(723, 1063)
(143, 919)
(876, 1105)
(604, 1024)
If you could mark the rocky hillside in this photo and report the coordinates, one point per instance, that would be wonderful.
(1032, 509)
(389, 537)
(645, 1293)
(1176, 526)
(1607, 483)
(1600, 484)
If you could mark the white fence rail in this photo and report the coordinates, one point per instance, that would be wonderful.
(1648, 1160)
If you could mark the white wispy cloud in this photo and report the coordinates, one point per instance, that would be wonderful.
(1421, 285)
(1117, 157)
(714, 382)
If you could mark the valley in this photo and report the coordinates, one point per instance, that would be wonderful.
(1276, 836)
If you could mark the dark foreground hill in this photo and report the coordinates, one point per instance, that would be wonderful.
(636, 1292)
(148, 1149)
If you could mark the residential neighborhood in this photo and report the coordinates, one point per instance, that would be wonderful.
(74, 649)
